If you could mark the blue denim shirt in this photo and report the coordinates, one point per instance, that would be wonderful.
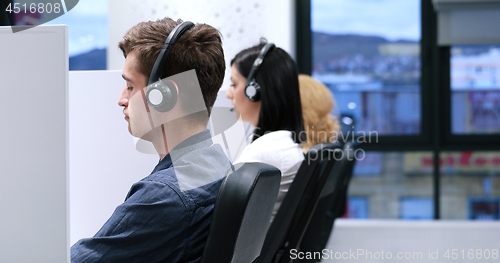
(165, 216)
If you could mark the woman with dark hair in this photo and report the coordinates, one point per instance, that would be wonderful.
(265, 90)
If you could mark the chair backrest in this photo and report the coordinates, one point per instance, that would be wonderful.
(331, 182)
(242, 213)
(332, 204)
(319, 160)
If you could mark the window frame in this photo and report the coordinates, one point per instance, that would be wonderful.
(435, 132)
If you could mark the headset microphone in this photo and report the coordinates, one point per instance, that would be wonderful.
(162, 95)
(252, 88)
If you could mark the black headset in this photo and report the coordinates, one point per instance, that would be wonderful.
(162, 96)
(252, 89)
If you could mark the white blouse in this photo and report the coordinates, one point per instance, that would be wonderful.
(278, 149)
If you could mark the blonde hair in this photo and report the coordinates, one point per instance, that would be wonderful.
(317, 103)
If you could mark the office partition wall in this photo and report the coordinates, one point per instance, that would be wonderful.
(34, 145)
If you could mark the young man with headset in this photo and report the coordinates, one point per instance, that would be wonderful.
(173, 72)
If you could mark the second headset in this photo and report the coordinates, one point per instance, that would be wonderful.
(252, 88)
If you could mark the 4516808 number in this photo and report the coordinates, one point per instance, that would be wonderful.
(34, 8)
(471, 254)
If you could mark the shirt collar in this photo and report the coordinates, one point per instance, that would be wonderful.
(199, 140)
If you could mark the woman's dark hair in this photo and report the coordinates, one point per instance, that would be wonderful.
(279, 91)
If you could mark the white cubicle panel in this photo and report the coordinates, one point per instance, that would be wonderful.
(104, 162)
(34, 145)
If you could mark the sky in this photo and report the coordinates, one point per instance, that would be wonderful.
(87, 26)
(392, 19)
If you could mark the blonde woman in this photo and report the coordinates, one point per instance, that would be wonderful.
(317, 103)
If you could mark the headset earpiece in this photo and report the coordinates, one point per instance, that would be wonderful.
(252, 88)
(160, 95)
(252, 91)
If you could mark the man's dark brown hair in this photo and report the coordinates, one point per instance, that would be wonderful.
(199, 48)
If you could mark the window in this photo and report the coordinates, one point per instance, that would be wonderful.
(368, 54)
(357, 207)
(470, 185)
(431, 93)
(484, 208)
(475, 89)
(388, 182)
(87, 30)
(416, 208)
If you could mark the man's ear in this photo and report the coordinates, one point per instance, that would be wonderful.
(176, 87)
(162, 95)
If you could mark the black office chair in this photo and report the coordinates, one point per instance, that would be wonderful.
(242, 214)
(331, 205)
(299, 203)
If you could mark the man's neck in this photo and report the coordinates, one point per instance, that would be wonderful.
(168, 136)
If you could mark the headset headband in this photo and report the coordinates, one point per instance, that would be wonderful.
(169, 42)
(258, 61)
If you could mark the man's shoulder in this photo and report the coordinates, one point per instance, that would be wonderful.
(159, 186)
(195, 177)
(200, 172)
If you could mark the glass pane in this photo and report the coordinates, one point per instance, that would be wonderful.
(392, 185)
(87, 32)
(417, 208)
(357, 207)
(368, 54)
(475, 89)
(470, 185)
